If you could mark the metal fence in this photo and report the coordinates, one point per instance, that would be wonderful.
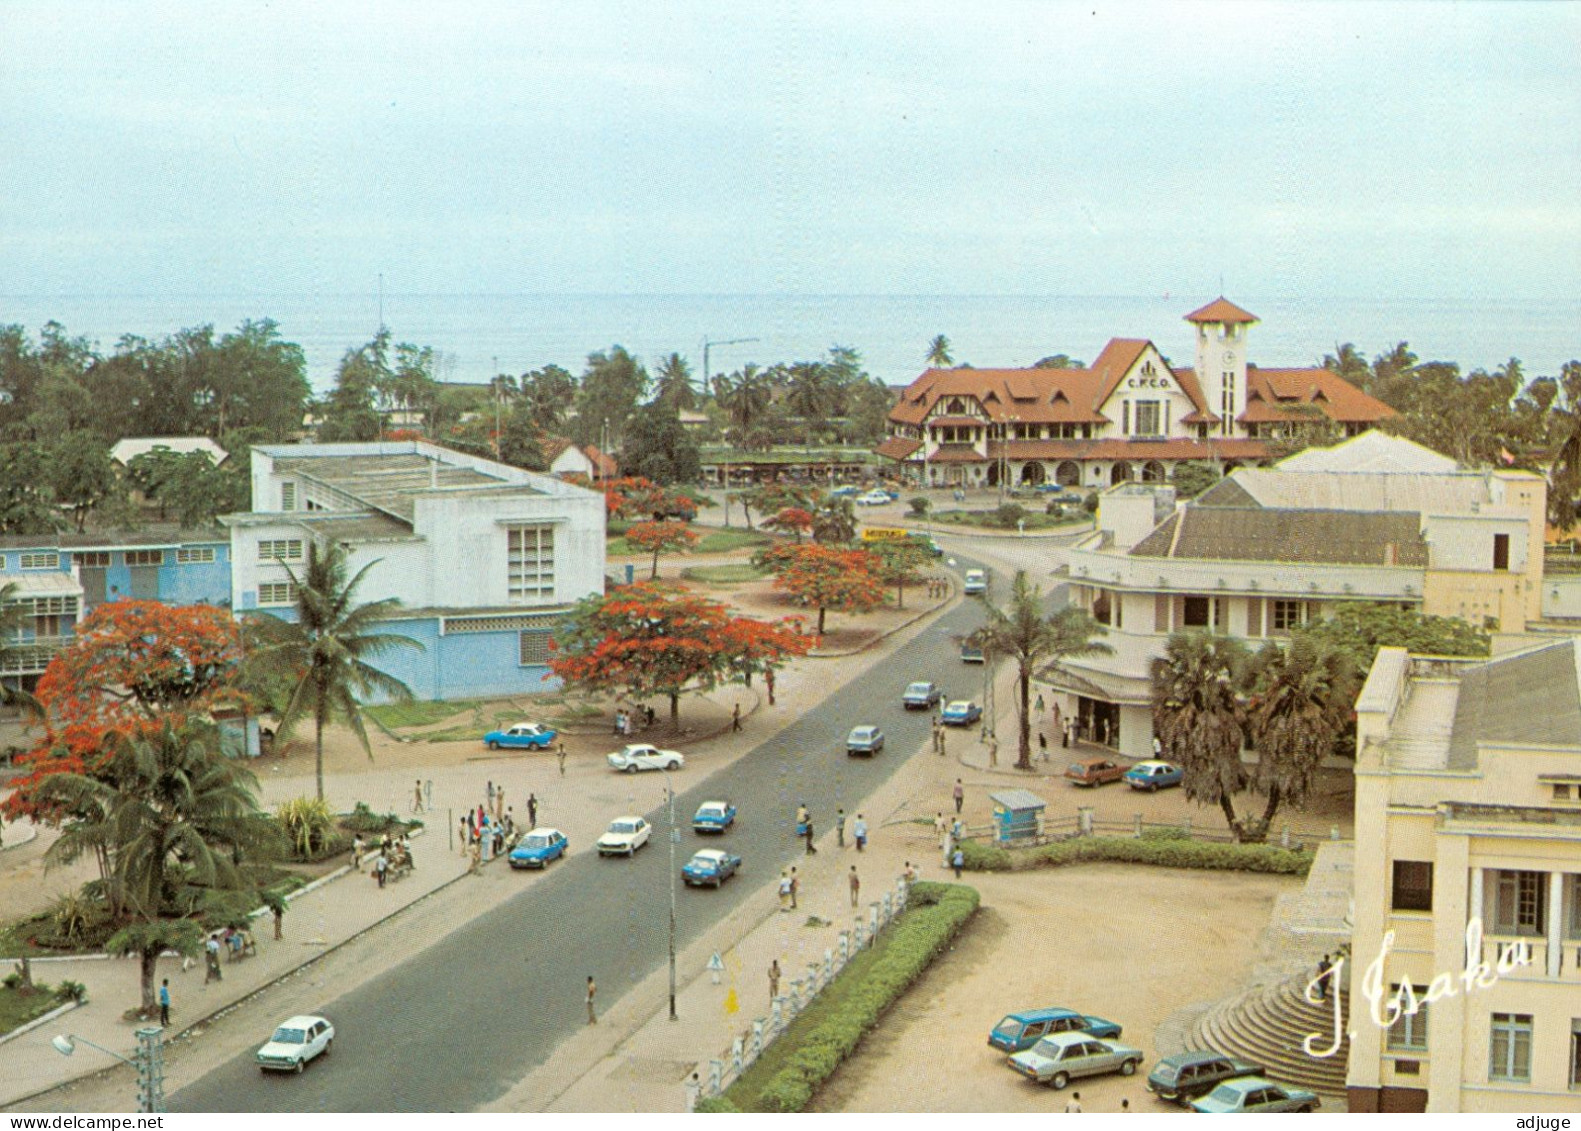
(1084, 823)
(744, 1051)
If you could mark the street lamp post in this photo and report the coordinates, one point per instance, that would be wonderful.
(149, 1060)
(675, 836)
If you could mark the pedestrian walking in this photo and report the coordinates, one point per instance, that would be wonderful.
(958, 861)
(475, 859)
(1073, 1105)
(1158, 747)
(620, 722)
(358, 846)
(380, 867)
(959, 794)
(938, 731)
(489, 796)
(499, 803)
(735, 718)
(942, 741)
(795, 887)
(417, 796)
(1043, 747)
(839, 828)
(164, 1003)
(1040, 702)
(785, 892)
(774, 979)
(559, 753)
(592, 993)
(212, 955)
(1064, 734)
(941, 827)
(532, 811)
(811, 848)
(466, 833)
(859, 831)
(856, 888)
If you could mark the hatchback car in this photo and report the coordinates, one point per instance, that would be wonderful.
(1187, 1075)
(522, 736)
(1153, 776)
(710, 867)
(1023, 1030)
(1256, 1094)
(1058, 1059)
(961, 713)
(714, 817)
(539, 848)
(864, 740)
(296, 1041)
(640, 756)
(1094, 771)
(624, 837)
(976, 582)
(921, 695)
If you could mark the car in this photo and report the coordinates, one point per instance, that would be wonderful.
(1024, 1029)
(929, 543)
(976, 582)
(1057, 494)
(624, 836)
(538, 848)
(714, 817)
(1059, 1058)
(864, 740)
(1187, 1075)
(711, 866)
(522, 736)
(1153, 776)
(296, 1041)
(636, 756)
(921, 695)
(961, 713)
(972, 654)
(1256, 1094)
(1094, 771)
(845, 492)
(873, 499)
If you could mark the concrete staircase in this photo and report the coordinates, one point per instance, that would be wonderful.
(1267, 1024)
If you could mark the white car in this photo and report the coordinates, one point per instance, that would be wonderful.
(976, 582)
(297, 1041)
(640, 756)
(873, 499)
(625, 836)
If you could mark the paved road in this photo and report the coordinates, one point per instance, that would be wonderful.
(464, 1019)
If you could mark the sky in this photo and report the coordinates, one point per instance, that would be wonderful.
(1358, 149)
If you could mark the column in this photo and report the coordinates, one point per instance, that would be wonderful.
(1556, 906)
(1455, 900)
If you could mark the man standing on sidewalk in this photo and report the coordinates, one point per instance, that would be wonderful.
(559, 753)
(811, 848)
(592, 992)
(839, 827)
(856, 888)
(785, 892)
(774, 979)
(532, 811)
(959, 794)
(735, 718)
(795, 886)
(212, 973)
(164, 1003)
(860, 831)
(417, 797)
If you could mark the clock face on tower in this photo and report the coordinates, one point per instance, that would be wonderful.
(1229, 357)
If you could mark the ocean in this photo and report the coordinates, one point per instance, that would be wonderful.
(478, 335)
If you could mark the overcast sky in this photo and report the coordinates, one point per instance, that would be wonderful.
(1399, 150)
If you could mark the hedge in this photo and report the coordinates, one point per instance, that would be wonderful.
(1162, 851)
(792, 1069)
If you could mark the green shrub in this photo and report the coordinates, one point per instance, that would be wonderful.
(364, 820)
(309, 823)
(75, 991)
(1172, 833)
(716, 1105)
(920, 505)
(1168, 849)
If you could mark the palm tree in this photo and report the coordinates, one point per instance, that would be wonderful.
(745, 396)
(810, 394)
(1199, 718)
(327, 649)
(13, 617)
(674, 383)
(938, 355)
(834, 522)
(1022, 632)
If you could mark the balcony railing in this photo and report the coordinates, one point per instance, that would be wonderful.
(1504, 947)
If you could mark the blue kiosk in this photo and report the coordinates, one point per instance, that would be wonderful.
(1018, 815)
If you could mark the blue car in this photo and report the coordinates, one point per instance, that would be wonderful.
(961, 713)
(538, 848)
(1153, 776)
(522, 736)
(1023, 1030)
(714, 817)
(711, 866)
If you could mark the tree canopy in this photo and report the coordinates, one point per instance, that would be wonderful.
(824, 577)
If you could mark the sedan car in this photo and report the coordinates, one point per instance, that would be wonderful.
(1058, 1059)
(624, 837)
(714, 817)
(297, 1041)
(873, 498)
(972, 654)
(1187, 1075)
(1256, 1094)
(539, 848)
(845, 492)
(1023, 1030)
(920, 696)
(976, 582)
(710, 867)
(640, 756)
(523, 736)
(1094, 771)
(961, 713)
(1153, 776)
(864, 740)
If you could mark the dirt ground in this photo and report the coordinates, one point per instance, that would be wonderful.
(1130, 944)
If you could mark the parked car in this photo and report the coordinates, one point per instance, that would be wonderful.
(929, 543)
(296, 1041)
(864, 740)
(524, 736)
(972, 654)
(539, 848)
(874, 498)
(1187, 1075)
(920, 696)
(624, 836)
(976, 582)
(1256, 1094)
(1094, 771)
(845, 492)
(1153, 776)
(710, 866)
(714, 817)
(640, 756)
(1023, 1030)
(1058, 1059)
(961, 713)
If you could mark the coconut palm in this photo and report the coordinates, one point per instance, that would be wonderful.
(327, 649)
(745, 396)
(1023, 632)
(673, 383)
(1199, 717)
(938, 355)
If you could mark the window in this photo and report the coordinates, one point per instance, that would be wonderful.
(1409, 1031)
(47, 560)
(1575, 1052)
(1573, 885)
(1289, 615)
(92, 559)
(1561, 791)
(1195, 612)
(280, 550)
(1510, 1057)
(194, 555)
(1125, 418)
(530, 562)
(145, 557)
(1518, 902)
(1413, 885)
(1227, 405)
(1149, 418)
(1106, 608)
(534, 646)
(288, 496)
(277, 593)
(1501, 551)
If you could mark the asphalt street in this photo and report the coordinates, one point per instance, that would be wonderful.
(463, 1020)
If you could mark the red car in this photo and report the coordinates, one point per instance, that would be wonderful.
(1095, 771)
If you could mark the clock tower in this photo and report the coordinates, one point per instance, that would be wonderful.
(1221, 360)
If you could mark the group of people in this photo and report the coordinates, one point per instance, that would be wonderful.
(490, 829)
(626, 721)
(395, 854)
(1327, 972)
(938, 588)
(951, 833)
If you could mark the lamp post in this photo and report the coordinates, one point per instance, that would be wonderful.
(149, 1060)
(675, 836)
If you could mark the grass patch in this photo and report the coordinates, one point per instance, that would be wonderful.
(1156, 848)
(1035, 520)
(394, 716)
(731, 573)
(712, 540)
(18, 1007)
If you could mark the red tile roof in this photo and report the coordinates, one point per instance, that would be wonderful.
(604, 467)
(1221, 309)
(1213, 449)
(897, 447)
(1035, 396)
(1278, 394)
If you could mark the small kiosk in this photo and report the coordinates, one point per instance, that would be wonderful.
(1018, 816)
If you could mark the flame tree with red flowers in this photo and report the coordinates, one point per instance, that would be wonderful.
(659, 537)
(826, 577)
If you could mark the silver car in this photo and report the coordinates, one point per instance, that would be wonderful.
(1059, 1058)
